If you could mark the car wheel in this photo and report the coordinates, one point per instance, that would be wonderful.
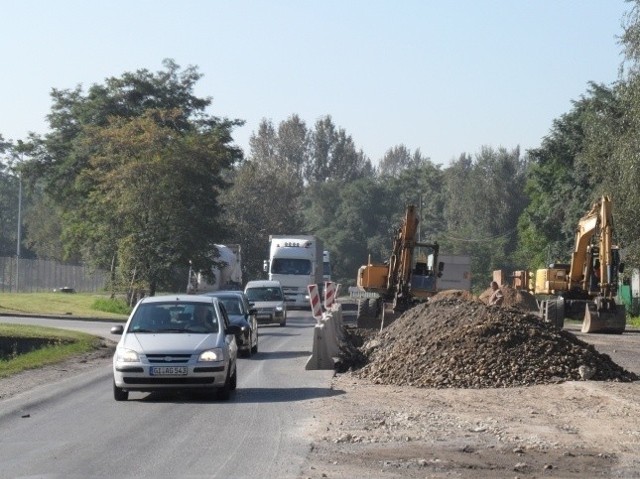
(119, 394)
(246, 351)
(225, 391)
(254, 348)
(283, 323)
(233, 383)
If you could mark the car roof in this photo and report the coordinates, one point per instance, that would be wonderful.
(263, 283)
(222, 294)
(187, 298)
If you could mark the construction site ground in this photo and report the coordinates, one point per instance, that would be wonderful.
(577, 428)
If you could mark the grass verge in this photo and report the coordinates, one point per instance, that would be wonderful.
(81, 305)
(65, 345)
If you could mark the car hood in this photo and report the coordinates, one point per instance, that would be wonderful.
(176, 343)
(238, 320)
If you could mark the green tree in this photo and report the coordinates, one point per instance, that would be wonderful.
(622, 125)
(398, 159)
(128, 96)
(8, 200)
(152, 192)
(362, 227)
(96, 135)
(266, 195)
(333, 155)
(567, 172)
(484, 200)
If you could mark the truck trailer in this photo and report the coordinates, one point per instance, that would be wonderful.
(226, 275)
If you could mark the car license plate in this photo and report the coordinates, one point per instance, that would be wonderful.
(168, 371)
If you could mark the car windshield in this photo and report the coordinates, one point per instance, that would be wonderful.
(264, 294)
(174, 317)
(232, 305)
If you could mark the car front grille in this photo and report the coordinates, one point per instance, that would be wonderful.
(168, 358)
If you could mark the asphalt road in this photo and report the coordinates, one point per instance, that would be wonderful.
(75, 429)
(622, 348)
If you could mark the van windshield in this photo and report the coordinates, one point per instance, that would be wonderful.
(264, 294)
(291, 266)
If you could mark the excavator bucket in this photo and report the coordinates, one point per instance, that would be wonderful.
(389, 315)
(368, 316)
(604, 316)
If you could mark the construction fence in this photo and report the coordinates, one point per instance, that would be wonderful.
(37, 275)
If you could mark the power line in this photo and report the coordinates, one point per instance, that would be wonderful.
(482, 240)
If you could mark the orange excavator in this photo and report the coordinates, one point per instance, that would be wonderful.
(586, 289)
(408, 277)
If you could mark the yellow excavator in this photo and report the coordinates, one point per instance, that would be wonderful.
(586, 289)
(408, 277)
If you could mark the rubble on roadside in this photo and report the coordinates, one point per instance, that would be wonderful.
(460, 342)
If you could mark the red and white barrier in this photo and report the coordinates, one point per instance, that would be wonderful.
(329, 294)
(314, 298)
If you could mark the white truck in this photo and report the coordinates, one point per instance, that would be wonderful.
(228, 275)
(296, 262)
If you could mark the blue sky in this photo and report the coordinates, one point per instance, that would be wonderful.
(446, 77)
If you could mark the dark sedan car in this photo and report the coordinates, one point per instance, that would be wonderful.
(241, 314)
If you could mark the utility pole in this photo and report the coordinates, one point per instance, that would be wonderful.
(19, 226)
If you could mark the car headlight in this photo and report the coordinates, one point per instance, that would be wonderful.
(127, 356)
(279, 309)
(214, 354)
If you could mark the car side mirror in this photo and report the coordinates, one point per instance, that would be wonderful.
(253, 311)
(117, 329)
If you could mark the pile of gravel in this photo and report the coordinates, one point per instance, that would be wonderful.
(461, 343)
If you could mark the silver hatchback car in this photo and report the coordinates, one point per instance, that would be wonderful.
(176, 342)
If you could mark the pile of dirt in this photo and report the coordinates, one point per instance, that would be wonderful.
(513, 298)
(460, 343)
(453, 293)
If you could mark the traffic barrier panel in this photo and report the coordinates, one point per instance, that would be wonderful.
(314, 298)
(329, 294)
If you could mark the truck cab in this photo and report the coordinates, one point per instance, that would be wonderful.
(296, 262)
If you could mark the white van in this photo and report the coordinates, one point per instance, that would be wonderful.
(267, 298)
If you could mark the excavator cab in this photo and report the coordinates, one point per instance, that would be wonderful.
(424, 273)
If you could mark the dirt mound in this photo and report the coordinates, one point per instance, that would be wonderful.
(513, 298)
(467, 344)
(453, 293)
